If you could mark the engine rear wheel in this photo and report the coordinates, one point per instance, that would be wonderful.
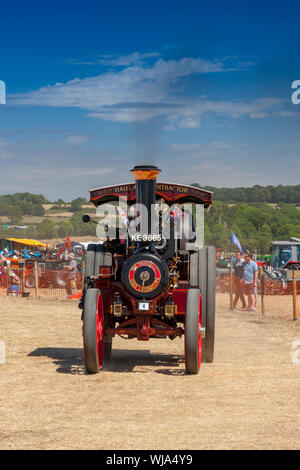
(209, 325)
(93, 331)
(203, 275)
(90, 259)
(192, 337)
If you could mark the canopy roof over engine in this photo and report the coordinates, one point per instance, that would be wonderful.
(170, 192)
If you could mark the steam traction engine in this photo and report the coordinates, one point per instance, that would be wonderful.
(144, 285)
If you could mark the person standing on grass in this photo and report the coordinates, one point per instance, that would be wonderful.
(72, 274)
(238, 280)
(250, 279)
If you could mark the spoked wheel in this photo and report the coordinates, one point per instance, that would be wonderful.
(192, 337)
(93, 331)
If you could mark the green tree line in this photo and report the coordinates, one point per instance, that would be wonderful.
(254, 225)
(268, 194)
(47, 229)
(15, 206)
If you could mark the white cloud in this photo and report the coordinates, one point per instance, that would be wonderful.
(133, 85)
(110, 60)
(287, 114)
(245, 64)
(221, 145)
(49, 173)
(126, 60)
(76, 139)
(188, 122)
(196, 150)
(139, 92)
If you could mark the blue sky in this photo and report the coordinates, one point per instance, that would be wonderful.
(202, 90)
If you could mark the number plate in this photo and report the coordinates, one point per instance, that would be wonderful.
(144, 306)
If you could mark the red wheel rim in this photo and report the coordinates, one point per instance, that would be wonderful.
(100, 331)
(199, 334)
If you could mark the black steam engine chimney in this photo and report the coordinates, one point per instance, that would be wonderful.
(145, 275)
(145, 188)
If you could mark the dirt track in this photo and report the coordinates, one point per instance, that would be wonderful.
(247, 399)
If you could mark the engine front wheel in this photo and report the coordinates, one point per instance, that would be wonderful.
(192, 335)
(93, 331)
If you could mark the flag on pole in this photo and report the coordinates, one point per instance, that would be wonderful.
(234, 239)
(176, 212)
(123, 216)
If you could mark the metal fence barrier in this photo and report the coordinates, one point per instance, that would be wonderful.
(273, 298)
(36, 281)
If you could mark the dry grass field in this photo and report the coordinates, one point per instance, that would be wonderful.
(247, 399)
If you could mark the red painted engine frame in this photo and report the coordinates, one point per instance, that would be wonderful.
(143, 325)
